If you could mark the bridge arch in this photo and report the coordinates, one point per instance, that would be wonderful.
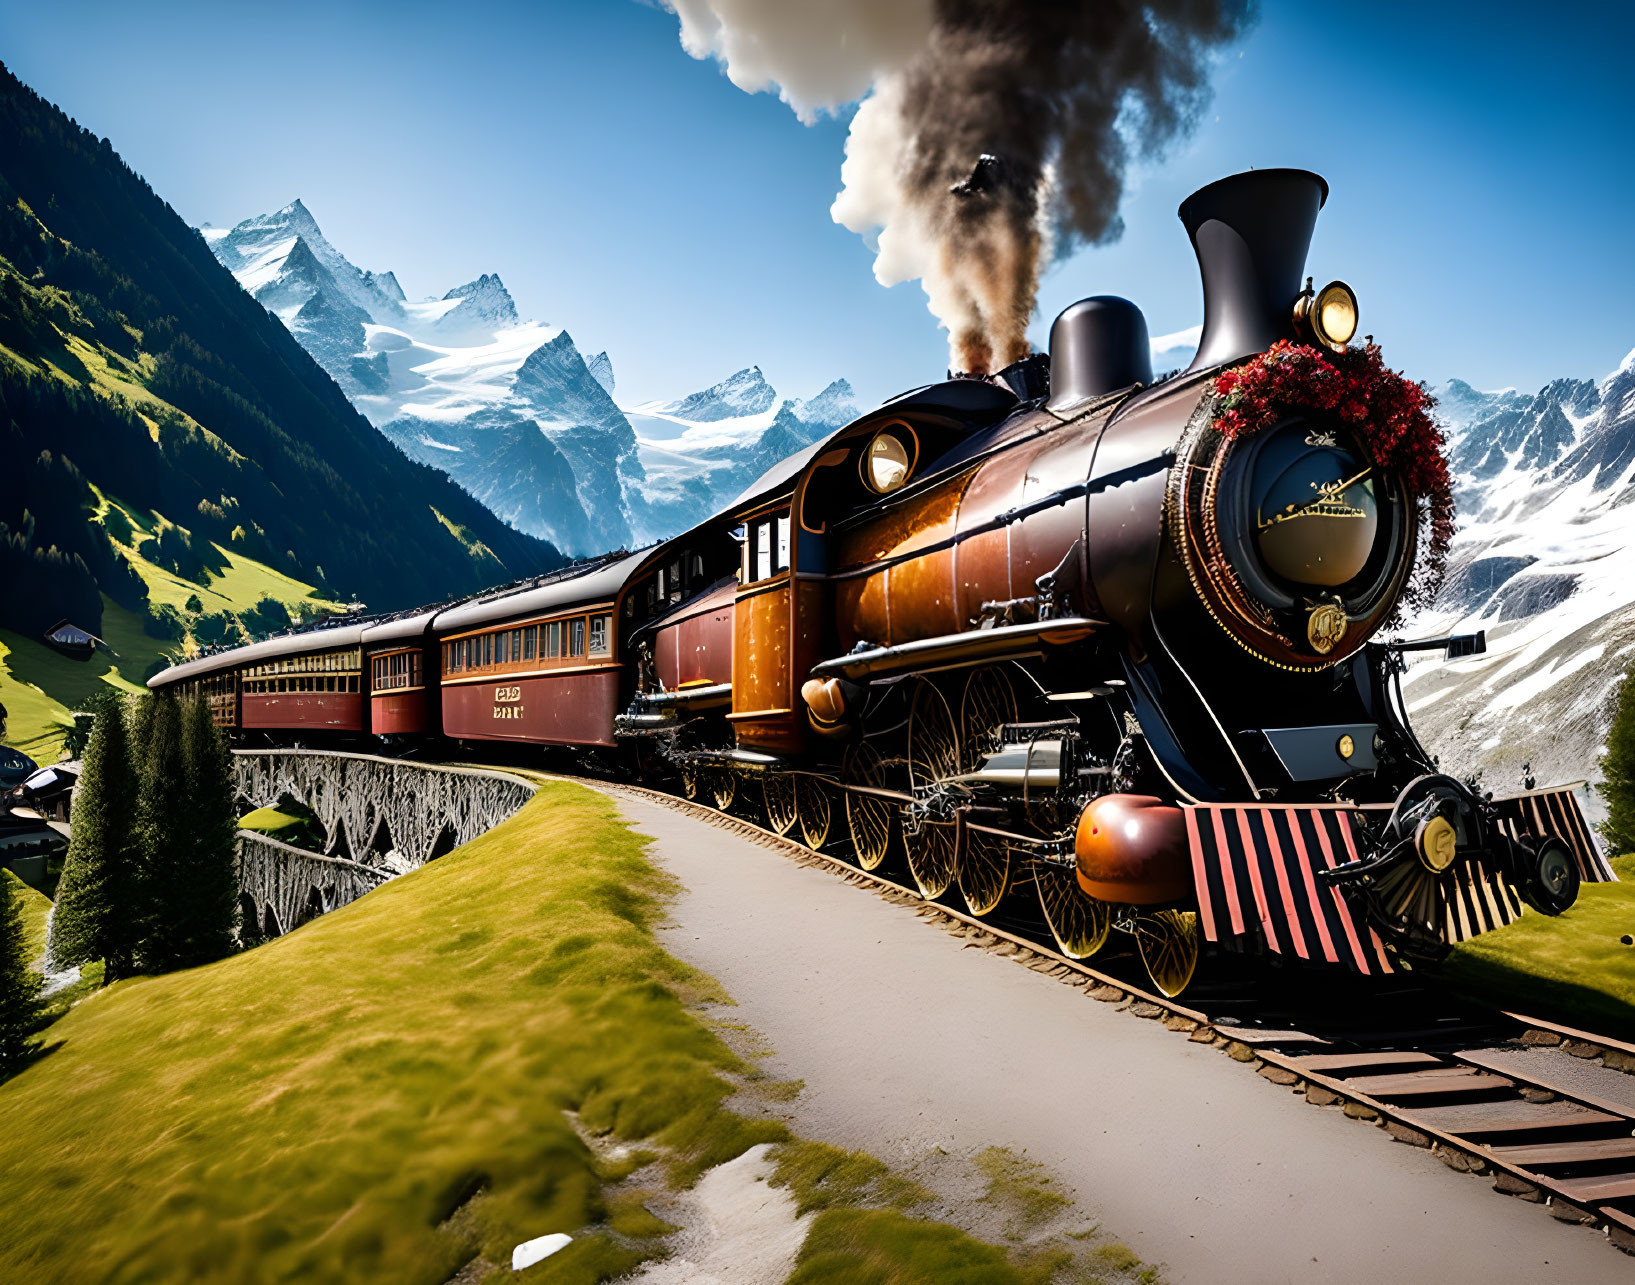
(381, 817)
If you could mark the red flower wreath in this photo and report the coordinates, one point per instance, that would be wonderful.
(1389, 414)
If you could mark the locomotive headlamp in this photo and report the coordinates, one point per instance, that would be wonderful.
(886, 462)
(1330, 315)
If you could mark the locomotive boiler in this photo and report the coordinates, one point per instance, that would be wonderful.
(1072, 633)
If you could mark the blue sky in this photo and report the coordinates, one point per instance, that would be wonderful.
(1480, 159)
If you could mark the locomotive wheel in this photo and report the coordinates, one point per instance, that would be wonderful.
(1079, 923)
(984, 870)
(1168, 942)
(989, 702)
(723, 788)
(778, 790)
(689, 780)
(933, 754)
(868, 818)
(813, 804)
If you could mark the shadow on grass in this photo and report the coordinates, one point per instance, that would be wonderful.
(1577, 969)
(37, 1052)
(1499, 985)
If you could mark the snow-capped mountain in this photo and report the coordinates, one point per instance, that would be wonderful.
(700, 451)
(510, 408)
(1545, 562)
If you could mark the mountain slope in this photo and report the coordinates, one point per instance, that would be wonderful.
(1545, 562)
(131, 360)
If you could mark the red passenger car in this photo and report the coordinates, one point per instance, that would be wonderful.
(309, 682)
(537, 665)
(400, 654)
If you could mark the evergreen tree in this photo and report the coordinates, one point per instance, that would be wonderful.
(99, 906)
(210, 914)
(1618, 771)
(162, 824)
(189, 830)
(19, 985)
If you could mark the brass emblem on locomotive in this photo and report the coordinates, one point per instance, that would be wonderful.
(1325, 627)
(1438, 844)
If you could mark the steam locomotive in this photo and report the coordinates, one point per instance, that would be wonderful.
(1052, 633)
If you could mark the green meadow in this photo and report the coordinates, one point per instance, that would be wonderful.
(406, 1088)
(1577, 969)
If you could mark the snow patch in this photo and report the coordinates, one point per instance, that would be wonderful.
(537, 1250)
(736, 1227)
(1542, 679)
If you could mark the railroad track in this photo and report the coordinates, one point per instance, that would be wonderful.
(1428, 1070)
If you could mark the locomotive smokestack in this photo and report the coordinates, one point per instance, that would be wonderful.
(1251, 233)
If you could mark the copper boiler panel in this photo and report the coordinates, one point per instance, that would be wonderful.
(1132, 849)
(942, 591)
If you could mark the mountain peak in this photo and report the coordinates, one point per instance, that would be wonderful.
(745, 392)
(483, 302)
(488, 283)
(601, 370)
(834, 406)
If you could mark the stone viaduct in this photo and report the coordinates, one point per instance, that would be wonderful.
(382, 817)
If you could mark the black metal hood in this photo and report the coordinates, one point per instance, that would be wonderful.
(1251, 233)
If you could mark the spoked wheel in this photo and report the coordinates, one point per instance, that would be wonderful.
(933, 755)
(1168, 942)
(1078, 922)
(868, 818)
(723, 788)
(988, 704)
(778, 792)
(689, 781)
(984, 869)
(813, 804)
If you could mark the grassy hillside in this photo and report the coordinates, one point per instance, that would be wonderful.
(443, 1096)
(39, 686)
(133, 365)
(1577, 968)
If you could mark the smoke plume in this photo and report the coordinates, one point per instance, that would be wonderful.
(993, 135)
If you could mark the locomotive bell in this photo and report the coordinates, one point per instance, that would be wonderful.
(1316, 517)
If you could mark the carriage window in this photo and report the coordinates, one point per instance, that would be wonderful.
(782, 560)
(553, 642)
(599, 644)
(516, 644)
(763, 549)
(576, 646)
(530, 639)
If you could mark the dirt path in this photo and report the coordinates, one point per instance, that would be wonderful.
(908, 1043)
